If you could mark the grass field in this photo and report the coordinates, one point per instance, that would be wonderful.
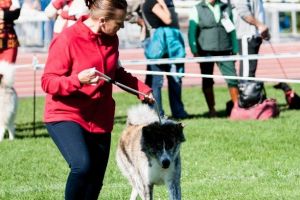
(221, 159)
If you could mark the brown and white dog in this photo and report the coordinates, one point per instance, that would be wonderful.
(8, 100)
(148, 153)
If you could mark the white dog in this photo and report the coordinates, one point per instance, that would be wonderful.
(148, 153)
(8, 100)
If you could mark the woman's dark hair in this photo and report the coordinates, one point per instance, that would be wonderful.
(105, 7)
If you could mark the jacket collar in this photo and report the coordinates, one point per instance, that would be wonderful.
(86, 32)
(222, 5)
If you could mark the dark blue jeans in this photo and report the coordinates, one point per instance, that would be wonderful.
(174, 89)
(87, 155)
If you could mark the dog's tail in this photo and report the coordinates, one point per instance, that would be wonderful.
(141, 114)
(8, 74)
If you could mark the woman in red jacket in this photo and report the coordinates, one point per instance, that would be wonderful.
(79, 108)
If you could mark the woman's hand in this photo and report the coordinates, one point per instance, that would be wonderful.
(149, 99)
(264, 32)
(88, 76)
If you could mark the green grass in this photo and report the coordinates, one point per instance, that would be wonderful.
(221, 159)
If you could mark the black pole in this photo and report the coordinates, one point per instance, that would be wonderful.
(34, 99)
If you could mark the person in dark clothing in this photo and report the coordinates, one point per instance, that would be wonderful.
(159, 14)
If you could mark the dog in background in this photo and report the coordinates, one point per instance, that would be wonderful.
(148, 153)
(291, 97)
(8, 100)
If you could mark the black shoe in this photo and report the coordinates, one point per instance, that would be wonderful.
(229, 106)
(185, 116)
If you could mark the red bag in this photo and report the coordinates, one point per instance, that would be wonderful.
(262, 111)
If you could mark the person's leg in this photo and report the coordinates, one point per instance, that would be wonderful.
(70, 140)
(148, 79)
(157, 83)
(99, 146)
(228, 69)
(253, 48)
(174, 91)
(207, 87)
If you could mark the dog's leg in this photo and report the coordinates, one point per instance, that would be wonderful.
(11, 131)
(147, 193)
(151, 192)
(174, 185)
(134, 194)
(174, 190)
(144, 191)
(2, 132)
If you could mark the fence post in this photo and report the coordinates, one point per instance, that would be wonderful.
(34, 64)
(245, 54)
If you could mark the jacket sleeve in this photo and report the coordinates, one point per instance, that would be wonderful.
(193, 31)
(243, 8)
(50, 11)
(58, 79)
(127, 79)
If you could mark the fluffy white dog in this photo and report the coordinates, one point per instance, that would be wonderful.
(8, 100)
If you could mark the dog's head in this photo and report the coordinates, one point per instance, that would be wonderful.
(162, 141)
(283, 86)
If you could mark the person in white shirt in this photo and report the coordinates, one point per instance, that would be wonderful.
(250, 23)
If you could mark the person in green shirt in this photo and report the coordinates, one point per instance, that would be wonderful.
(211, 33)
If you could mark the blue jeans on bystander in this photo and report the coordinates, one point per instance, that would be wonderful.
(174, 90)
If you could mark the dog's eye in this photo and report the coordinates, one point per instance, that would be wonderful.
(159, 146)
(169, 144)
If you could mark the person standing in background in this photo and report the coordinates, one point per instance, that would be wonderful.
(9, 11)
(134, 16)
(250, 23)
(159, 14)
(211, 33)
(47, 30)
(66, 12)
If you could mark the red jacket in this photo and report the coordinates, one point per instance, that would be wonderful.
(92, 106)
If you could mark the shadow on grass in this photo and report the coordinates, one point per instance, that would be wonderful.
(120, 119)
(30, 130)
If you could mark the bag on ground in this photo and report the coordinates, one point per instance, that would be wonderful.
(251, 93)
(261, 111)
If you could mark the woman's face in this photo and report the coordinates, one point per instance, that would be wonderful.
(111, 26)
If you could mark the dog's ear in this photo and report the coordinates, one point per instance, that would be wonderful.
(179, 132)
